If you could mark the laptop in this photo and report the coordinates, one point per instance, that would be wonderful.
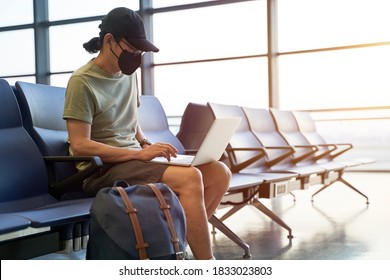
(212, 147)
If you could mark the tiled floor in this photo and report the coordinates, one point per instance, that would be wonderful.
(339, 225)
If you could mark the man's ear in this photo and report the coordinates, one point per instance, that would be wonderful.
(108, 39)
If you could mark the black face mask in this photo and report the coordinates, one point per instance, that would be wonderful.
(128, 62)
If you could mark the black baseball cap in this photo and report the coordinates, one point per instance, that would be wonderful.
(128, 24)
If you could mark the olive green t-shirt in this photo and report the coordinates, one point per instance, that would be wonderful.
(107, 102)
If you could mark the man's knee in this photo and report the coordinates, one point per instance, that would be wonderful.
(225, 170)
(193, 177)
(184, 180)
(221, 173)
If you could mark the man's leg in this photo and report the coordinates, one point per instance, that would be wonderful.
(188, 183)
(216, 180)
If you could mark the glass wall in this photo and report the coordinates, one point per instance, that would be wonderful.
(213, 32)
(215, 53)
(335, 56)
(316, 24)
(345, 78)
(64, 56)
(9, 9)
(168, 3)
(239, 81)
(71, 9)
(17, 52)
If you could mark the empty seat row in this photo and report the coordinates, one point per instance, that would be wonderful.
(271, 141)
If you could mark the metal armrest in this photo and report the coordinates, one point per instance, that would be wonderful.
(59, 188)
(305, 155)
(348, 147)
(290, 151)
(321, 155)
(238, 167)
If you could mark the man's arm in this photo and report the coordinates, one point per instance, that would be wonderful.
(82, 145)
(140, 136)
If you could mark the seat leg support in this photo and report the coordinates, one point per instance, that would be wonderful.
(353, 188)
(231, 211)
(231, 235)
(342, 180)
(260, 206)
(320, 190)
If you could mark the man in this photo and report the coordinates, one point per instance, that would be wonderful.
(101, 115)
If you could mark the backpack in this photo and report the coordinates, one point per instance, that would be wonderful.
(136, 222)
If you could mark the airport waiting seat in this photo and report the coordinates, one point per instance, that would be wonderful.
(24, 184)
(154, 123)
(41, 109)
(308, 129)
(288, 128)
(196, 121)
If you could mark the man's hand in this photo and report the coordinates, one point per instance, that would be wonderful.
(158, 150)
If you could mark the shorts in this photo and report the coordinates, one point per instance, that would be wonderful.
(133, 172)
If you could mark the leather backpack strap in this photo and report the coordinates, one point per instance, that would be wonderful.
(132, 212)
(166, 209)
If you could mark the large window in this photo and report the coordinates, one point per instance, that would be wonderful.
(16, 12)
(344, 79)
(212, 32)
(167, 3)
(17, 52)
(241, 81)
(68, 9)
(215, 53)
(315, 24)
(333, 53)
(65, 56)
